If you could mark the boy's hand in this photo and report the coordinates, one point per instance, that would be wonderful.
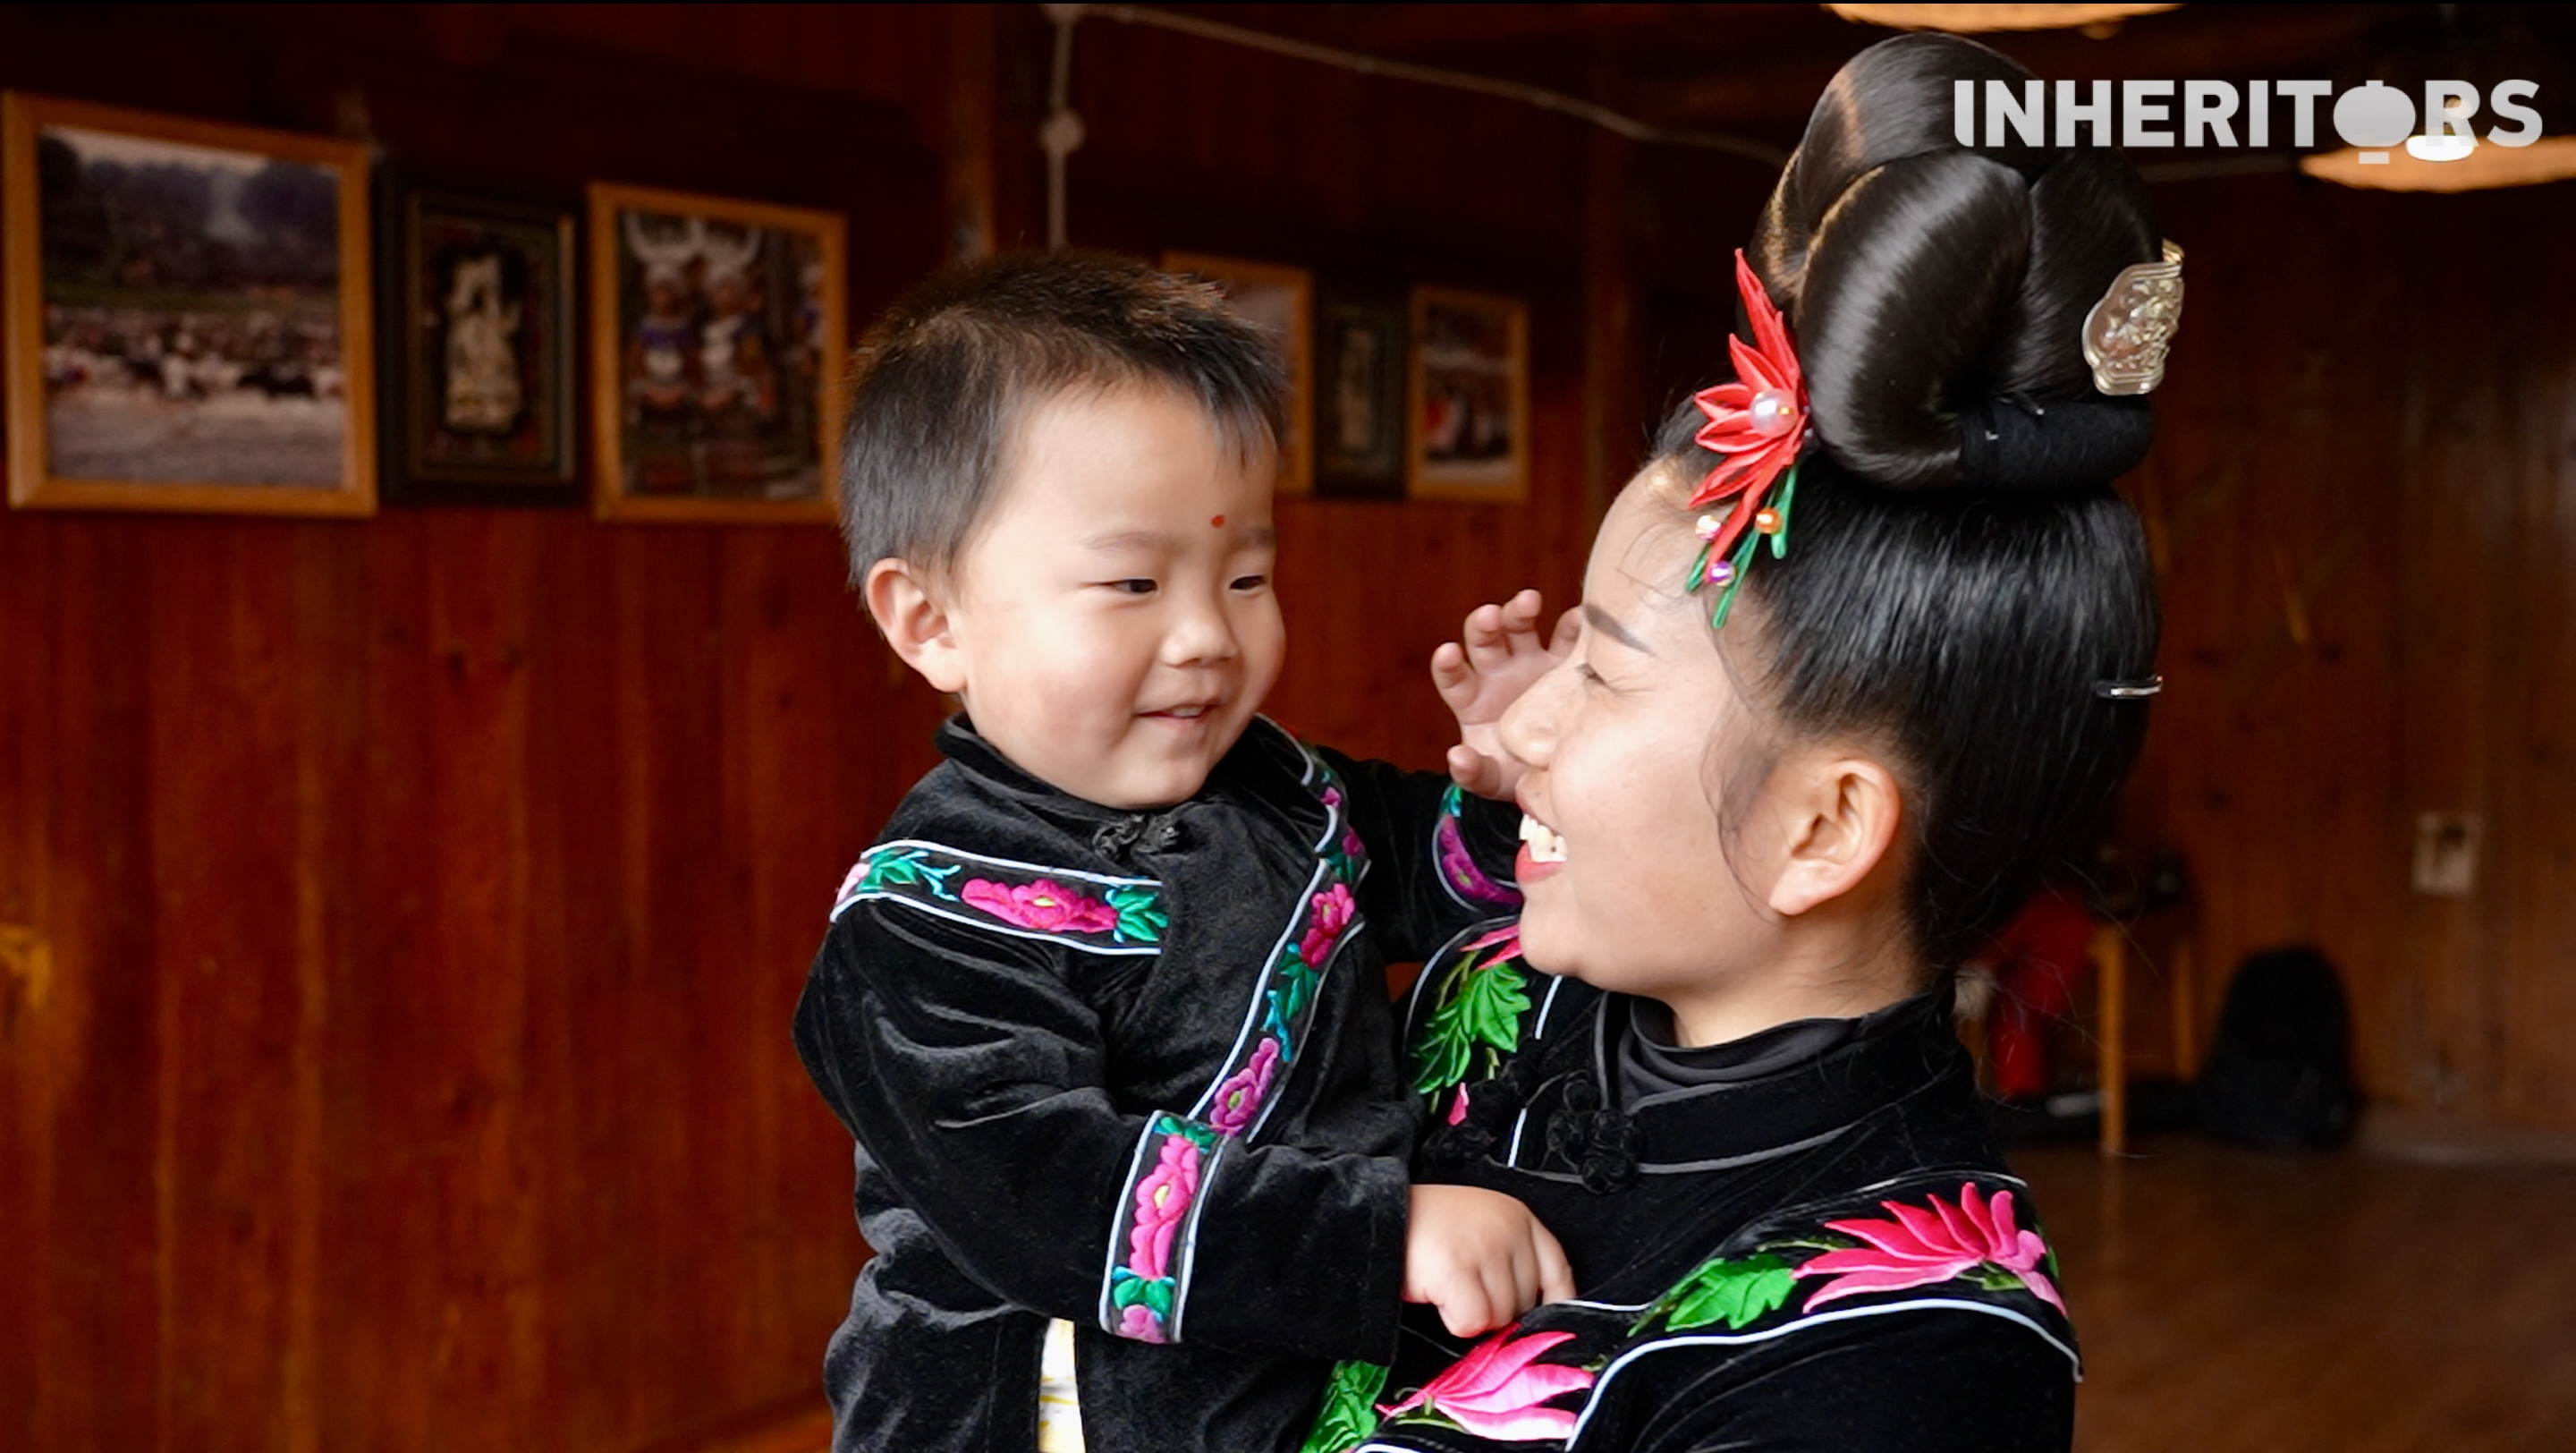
(1501, 659)
(1480, 1257)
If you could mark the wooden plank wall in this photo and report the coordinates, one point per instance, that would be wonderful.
(2364, 499)
(426, 895)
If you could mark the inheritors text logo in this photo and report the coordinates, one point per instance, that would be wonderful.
(2373, 117)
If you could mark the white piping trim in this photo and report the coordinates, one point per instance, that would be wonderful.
(992, 925)
(1103, 878)
(1538, 1031)
(1538, 1026)
(1617, 1364)
(1314, 1006)
(1187, 1253)
(1620, 1362)
(1252, 1012)
(1117, 1217)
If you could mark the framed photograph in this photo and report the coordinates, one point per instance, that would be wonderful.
(1359, 407)
(1280, 300)
(1469, 434)
(479, 403)
(716, 333)
(188, 314)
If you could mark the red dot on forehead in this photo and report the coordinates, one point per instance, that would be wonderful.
(1217, 523)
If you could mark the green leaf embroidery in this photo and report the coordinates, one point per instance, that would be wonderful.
(1734, 1292)
(1202, 1136)
(1440, 1056)
(909, 868)
(1140, 916)
(1295, 990)
(1484, 1008)
(1126, 1289)
(1350, 1408)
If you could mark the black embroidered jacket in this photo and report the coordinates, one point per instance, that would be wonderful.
(1824, 1254)
(1138, 1071)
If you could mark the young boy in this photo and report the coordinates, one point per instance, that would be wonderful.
(1106, 1007)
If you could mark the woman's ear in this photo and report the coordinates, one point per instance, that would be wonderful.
(915, 622)
(1842, 821)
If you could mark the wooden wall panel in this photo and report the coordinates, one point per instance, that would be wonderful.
(2363, 499)
(427, 895)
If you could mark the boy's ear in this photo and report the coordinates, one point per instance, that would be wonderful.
(915, 623)
(1842, 821)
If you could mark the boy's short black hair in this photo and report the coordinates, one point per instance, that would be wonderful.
(944, 376)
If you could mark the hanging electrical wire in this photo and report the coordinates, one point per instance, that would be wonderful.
(1062, 131)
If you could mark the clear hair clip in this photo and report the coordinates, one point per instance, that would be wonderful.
(2137, 690)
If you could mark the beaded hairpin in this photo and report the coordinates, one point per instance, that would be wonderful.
(1759, 422)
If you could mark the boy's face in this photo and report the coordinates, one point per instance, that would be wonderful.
(1111, 623)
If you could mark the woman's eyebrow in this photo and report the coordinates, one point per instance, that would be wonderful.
(1595, 616)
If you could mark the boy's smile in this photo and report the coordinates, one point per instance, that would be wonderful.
(1110, 622)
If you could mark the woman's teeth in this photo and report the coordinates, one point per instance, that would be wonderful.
(1544, 845)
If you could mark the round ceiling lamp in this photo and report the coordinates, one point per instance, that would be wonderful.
(2453, 109)
(2442, 164)
(1962, 19)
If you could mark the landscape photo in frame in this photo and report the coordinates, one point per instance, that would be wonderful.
(189, 320)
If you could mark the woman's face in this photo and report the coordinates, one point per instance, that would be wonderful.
(1633, 882)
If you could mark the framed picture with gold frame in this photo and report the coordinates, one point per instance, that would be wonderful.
(1281, 300)
(1467, 435)
(716, 330)
(190, 326)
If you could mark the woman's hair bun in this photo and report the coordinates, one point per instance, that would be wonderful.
(1937, 292)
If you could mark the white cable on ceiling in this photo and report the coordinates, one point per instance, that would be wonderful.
(1062, 132)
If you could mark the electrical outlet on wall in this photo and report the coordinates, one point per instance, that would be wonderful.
(2446, 853)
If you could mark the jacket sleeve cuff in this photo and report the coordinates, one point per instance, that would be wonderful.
(1276, 1250)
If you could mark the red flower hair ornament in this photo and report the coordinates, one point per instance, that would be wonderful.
(1759, 422)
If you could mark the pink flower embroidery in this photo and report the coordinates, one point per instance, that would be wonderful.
(1352, 847)
(1495, 1391)
(1239, 1099)
(1162, 1199)
(1922, 1246)
(1331, 914)
(850, 880)
(1044, 905)
(1504, 941)
(1139, 1323)
(1458, 1106)
(1459, 867)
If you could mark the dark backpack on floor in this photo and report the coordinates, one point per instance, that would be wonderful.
(2279, 1075)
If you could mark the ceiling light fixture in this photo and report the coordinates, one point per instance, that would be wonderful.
(2434, 97)
(1965, 19)
(2480, 165)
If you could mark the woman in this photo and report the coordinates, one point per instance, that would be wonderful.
(1777, 791)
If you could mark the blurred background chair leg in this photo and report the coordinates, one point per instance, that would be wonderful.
(2110, 961)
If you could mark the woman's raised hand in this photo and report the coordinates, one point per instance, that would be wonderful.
(1501, 658)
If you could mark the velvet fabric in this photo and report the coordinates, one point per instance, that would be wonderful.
(1004, 1083)
(1750, 1186)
